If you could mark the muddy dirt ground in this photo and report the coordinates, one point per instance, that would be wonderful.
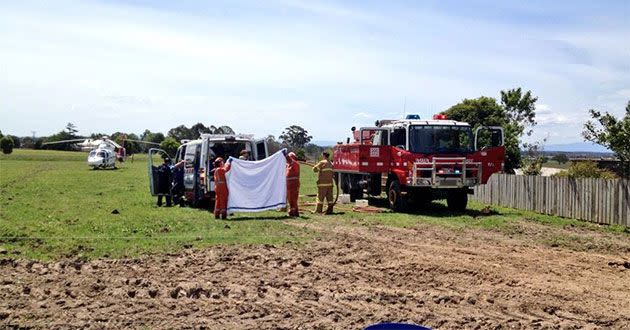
(349, 277)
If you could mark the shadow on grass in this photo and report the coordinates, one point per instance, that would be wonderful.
(434, 209)
(267, 217)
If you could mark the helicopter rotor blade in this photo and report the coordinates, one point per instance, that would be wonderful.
(63, 141)
(146, 142)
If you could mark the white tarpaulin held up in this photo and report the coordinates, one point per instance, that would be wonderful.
(256, 186)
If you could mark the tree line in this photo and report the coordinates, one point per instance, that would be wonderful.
(295, 138)
(515, 111)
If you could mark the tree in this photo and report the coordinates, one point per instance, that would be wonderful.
(224, 130)
(131, 147)
(71, 129)
(170, 145)
(181, 132)
(96, 136)
(515, 113)
(532, 165)
(300, 154)
(611, 133)
(149, 136)
(295, 136)
(68, 133)
(6, 144)
(561, 158)
(273, 146)
(520, 108)
(198, 129)
(313, 151)
(17, 142)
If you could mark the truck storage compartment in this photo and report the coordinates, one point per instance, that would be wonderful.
(361, 158)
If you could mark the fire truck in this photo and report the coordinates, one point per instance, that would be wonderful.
(415, 161)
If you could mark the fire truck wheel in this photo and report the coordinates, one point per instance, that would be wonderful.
(457, 200)
(393, 196)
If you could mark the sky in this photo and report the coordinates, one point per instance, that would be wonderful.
(260, 66)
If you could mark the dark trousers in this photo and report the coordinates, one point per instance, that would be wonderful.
(168, 200)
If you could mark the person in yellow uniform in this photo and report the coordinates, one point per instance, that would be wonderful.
(324, 169)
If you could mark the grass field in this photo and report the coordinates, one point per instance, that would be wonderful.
(167, 268)
(555, 164)
(53, 206)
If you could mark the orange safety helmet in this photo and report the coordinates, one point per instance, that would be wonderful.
(292, 155)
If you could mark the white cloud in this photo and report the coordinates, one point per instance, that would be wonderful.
(267, 65)
(362, 115)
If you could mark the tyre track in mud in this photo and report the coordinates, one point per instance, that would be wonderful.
(348, 277)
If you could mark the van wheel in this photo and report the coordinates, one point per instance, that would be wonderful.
(457, 200)
(394, 198)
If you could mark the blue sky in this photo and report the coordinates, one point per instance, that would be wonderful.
(259, 66)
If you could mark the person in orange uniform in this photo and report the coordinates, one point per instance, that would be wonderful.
(324, 169)
(293, 184)
(220, 188)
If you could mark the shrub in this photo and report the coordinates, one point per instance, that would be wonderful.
(301, 155)
(6, 143)
(533, 166)
(561, 158)
(170, 145)
(586, 170)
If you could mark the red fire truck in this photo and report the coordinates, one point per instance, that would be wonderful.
(415, 161)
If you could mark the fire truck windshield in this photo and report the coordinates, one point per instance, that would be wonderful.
(427, 139)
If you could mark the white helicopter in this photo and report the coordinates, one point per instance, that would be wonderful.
(103, 152)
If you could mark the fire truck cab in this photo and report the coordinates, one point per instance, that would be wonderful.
(415, 161)
(200, 155)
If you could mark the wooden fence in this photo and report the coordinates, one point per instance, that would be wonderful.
(595, 200)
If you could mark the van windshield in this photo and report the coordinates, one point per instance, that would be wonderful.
(428, 139)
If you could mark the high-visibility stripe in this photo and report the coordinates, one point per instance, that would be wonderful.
(324, 184)
(326, 169)
(217, 182)
(293, 178)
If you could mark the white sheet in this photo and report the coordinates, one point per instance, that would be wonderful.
(256, 186)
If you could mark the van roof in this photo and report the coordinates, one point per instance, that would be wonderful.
(223, 136)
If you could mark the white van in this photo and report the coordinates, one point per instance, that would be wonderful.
(200, 155)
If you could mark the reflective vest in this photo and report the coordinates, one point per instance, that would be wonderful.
(219, 174)
(293, 172)
(325, 170)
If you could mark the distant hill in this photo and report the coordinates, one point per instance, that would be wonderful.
(577, 147)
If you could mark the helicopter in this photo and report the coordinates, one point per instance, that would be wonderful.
(103, 152)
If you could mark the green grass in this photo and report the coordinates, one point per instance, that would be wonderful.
(555, 164)
(53, 206)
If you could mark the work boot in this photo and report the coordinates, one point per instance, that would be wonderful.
(319, 208)
(224, 216)
(329, 210)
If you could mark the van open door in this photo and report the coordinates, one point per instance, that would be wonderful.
(261, 149)
(155, 159)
